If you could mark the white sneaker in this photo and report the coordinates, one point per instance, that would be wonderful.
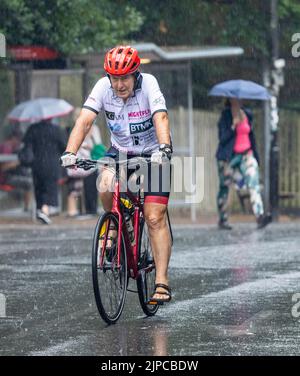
(43, 217)
(54, 210)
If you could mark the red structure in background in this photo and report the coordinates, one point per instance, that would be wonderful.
(32, 53)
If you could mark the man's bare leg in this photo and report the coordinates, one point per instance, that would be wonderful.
(155, 215)
(106, 197)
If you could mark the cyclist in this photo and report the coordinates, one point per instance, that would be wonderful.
(137, 117)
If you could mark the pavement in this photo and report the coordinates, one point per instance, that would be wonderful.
(17, 216)
(233, 293)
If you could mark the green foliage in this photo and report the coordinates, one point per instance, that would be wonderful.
(68, 26)
(289, 22)
(244, 23)
(199, 22)
(88, 25)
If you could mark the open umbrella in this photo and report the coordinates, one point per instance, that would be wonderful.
(240, 89)
(39, 109)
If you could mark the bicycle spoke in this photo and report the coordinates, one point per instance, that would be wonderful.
(109, 278)
(146, 280)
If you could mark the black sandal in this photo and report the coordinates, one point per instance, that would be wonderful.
(166, 292)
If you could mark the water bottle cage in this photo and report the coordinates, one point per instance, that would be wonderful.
(130, 229)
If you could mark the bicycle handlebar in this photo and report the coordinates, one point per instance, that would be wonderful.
(88, 164)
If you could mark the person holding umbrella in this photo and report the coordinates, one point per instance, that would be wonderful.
(47, 142)
(237, 149)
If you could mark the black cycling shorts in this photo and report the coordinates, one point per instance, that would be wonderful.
(156, 181)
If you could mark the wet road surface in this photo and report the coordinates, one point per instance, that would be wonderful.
(234, 293)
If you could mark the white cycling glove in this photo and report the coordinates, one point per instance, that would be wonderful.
(164, 153)
(68, 159)
(157, 157)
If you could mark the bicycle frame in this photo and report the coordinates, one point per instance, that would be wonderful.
(122, 258)
(132, 251)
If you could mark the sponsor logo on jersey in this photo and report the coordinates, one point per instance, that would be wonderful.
(160, 100)
(92, 99)
(110, 115)
(135, 140)
(114, 116)
(114, 127)
(135, 114)
(140, 127)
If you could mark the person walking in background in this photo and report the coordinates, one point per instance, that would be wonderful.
(12, 173)
(223, 155)
(237, 152)
(47, 142)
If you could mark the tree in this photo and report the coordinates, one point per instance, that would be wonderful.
(86, 25)
(244, 23)
(216, 22)
(68, 26)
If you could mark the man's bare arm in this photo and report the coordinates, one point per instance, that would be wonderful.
(82, 126)
(161, 122)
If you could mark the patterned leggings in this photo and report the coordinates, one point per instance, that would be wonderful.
(247, 166)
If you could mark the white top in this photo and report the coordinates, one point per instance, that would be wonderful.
(130, 123)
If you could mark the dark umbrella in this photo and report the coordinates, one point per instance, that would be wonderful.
(240, 89)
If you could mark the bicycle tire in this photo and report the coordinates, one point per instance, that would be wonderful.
(109, 281)
(146, 278)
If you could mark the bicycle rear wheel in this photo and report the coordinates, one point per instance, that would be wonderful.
(146, 278)
(109, 278)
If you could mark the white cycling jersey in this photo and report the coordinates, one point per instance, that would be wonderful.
(130, 123)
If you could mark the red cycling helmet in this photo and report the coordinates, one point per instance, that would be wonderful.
(121, 60)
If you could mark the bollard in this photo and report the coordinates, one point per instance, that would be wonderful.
(2, 45)
(2, 305)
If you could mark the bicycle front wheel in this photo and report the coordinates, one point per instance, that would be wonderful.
(146, 278)
(109, 275)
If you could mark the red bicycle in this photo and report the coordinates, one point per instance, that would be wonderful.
(121, 247)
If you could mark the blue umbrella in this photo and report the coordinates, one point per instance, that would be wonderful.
(240, 89)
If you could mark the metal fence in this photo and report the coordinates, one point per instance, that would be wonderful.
(289, 144)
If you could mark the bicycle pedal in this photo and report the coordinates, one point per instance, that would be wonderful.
(155, 303)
